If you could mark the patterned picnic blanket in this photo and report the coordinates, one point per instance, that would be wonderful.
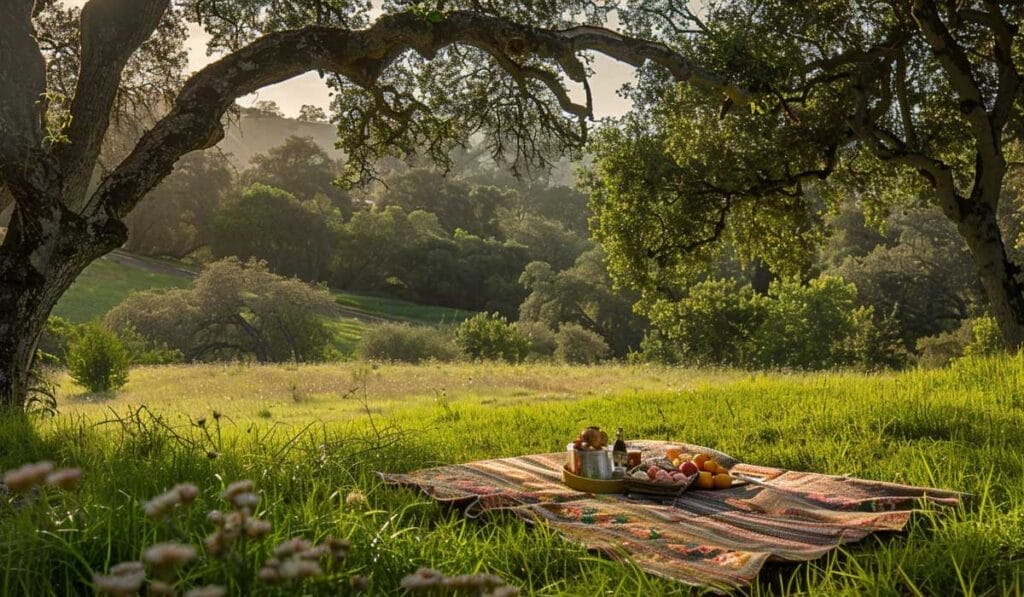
(718, 539)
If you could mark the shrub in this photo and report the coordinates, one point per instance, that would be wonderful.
(579, 345)
(988, 340)
(940, 349)
(490, 336)
(541, 338)
(144, 351)
(875, 343)
(55, 339)
(98, 360)
(233, 310)
(712, 325)
(806, 326)
(405, 343)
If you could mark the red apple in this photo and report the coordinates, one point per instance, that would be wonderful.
(688, 468)
(652, 472)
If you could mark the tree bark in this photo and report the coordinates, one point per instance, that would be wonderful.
(36, 269)
(1000, 277)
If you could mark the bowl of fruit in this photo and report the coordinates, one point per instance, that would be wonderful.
(710, 473)
(658, 477)
(676, 472)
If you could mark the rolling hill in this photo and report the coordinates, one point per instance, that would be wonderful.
(107, 282)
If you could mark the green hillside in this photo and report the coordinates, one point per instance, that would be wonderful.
(107, 281)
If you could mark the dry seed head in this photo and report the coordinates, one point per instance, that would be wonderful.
(27, 476)
(129, 567)
(313, 553)
(472, 581)
(244, 486)
(339, 548)
(506, 591)
(214, 544)
(257, 528)
(215, 517)
(424, 578)
(291, 546)
(207, 591)
(297, 568)
(359, 582)
(269, 574)
(246, 500)
(187, 492)
(168, 555)
(66, 479)
(356, 500)
(159, 588)
(119, 584)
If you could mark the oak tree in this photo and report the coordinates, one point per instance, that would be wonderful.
(420, 76)
(888, 103)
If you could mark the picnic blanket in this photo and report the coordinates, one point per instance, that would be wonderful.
(718, 539)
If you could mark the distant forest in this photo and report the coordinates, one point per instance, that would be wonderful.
(895, 291)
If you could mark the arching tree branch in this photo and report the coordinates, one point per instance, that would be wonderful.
(361, 56)
(112, 31)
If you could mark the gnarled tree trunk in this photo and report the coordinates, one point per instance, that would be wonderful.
(1000, 277)
(37, 264)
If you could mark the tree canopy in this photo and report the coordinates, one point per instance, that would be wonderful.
(906, 103)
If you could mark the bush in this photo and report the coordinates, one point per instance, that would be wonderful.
(579, 345)
(542, 339)
(405, 343)
(490, 336)
(58, 334)
(988, 340)
(806, 326)
(940, 349)
(233, 310)
(876, 343)
(144, 351)
(98, 360)
(712, 325)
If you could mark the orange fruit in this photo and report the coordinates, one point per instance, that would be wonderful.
(722, 481)
(673, 453)
(705, 480)
(710, 465)
(700, 459)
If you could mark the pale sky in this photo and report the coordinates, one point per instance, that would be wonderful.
(309, 89)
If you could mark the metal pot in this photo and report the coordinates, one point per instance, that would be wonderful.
(593, 464)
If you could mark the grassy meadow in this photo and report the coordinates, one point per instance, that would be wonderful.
(310, 437)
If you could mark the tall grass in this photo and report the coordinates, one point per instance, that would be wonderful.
(960, 428)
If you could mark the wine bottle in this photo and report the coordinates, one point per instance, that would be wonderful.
(619, 449)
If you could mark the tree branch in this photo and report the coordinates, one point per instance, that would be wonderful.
(112, 30)
(195, 119)
(987, 131)
(22, 105)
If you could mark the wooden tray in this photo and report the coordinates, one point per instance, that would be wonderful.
(593, 485)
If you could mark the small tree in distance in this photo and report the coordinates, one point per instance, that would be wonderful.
(308, 113)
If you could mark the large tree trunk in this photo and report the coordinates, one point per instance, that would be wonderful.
(37, 264)
(1000, 277)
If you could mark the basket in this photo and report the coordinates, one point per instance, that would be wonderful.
(646, 488)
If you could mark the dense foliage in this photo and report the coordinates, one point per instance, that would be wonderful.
(402, 342)
(489, 336)
(98, 360)
(234, 310)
